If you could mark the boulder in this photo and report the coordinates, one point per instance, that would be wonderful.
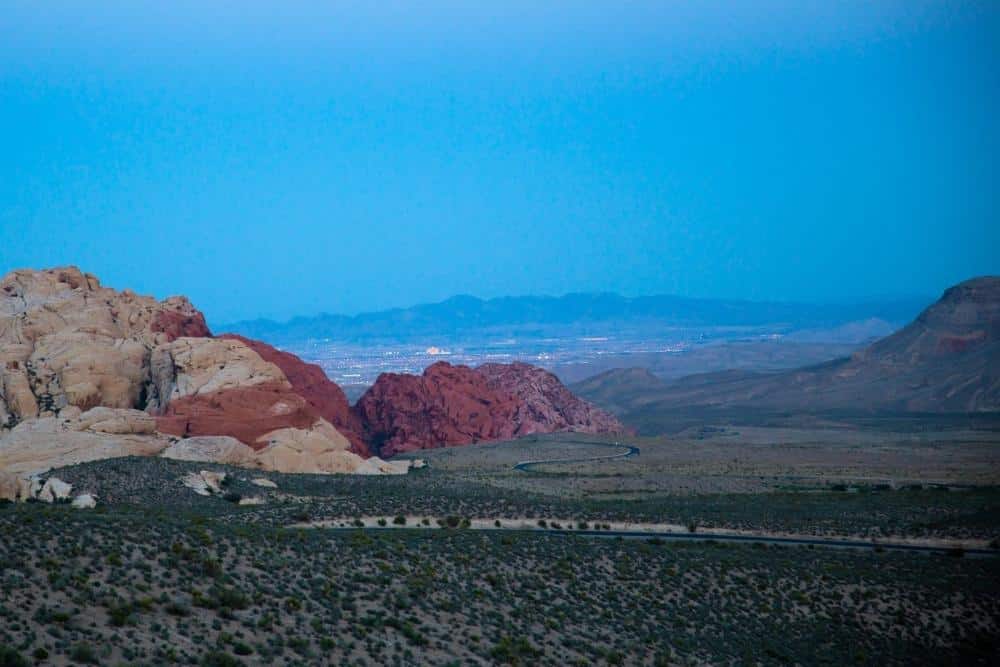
(54, 490)
(204, 482)
(84, 501)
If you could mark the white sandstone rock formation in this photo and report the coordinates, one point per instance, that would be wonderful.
(210, 449)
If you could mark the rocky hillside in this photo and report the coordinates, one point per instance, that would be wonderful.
(457, 405)
(69, 346)
(946, 361)
(88, 372)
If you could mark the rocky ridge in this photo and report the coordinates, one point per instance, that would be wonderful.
(946, 361)
(89, 372)
(456, 405)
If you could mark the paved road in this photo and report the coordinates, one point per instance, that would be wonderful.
(786, 541)
(628, 450)
(710, 537)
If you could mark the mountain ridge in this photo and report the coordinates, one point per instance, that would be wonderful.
(462, 314)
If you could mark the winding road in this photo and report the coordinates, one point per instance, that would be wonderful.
(629, 450)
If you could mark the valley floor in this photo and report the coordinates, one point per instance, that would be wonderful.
(159, 575)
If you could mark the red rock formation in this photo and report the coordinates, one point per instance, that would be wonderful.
(182, 322)
(545, 404)
(456, 405)
(326, 398)
(245, 413)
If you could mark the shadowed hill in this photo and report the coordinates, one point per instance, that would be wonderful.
(945, 361)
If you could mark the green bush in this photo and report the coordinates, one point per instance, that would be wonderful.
(219, 659)
(83, 652)
(11, 658)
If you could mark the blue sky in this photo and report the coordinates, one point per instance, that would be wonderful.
(291, 158)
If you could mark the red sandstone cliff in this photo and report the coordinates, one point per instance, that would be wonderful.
(457, 405)
(326, 398)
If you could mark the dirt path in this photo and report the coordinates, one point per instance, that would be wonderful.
(627, 530)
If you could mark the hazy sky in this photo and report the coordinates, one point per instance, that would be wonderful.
(290, 158)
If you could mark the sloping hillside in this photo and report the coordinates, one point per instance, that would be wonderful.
(945, 361)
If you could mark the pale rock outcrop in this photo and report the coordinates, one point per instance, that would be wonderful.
(85, 501)
(263, 482)
(251, 500)
(29, 487)
(317, 449)
(199, 366)
(210, 449)
(86, 369)
(376, 466)
(65, 340)
(116, 421)
(38, 445)
(320, 449)
(204, 482)
(10, 487)
(18, 488)
(54, 490)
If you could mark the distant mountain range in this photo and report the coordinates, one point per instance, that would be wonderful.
(581, 314)
(946, 361)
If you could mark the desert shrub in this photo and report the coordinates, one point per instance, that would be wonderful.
(515, 652)
(242, 648)
(177, 608)
(120, 614)
(83, 652)
(11, 658)
(219, 659)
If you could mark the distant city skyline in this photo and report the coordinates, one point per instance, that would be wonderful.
(323, 157)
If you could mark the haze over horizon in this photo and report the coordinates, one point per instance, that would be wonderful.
(343, 158)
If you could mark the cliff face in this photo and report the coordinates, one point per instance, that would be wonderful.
(69, 345)
(457, 405)
(309, 381)
(544, 403)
